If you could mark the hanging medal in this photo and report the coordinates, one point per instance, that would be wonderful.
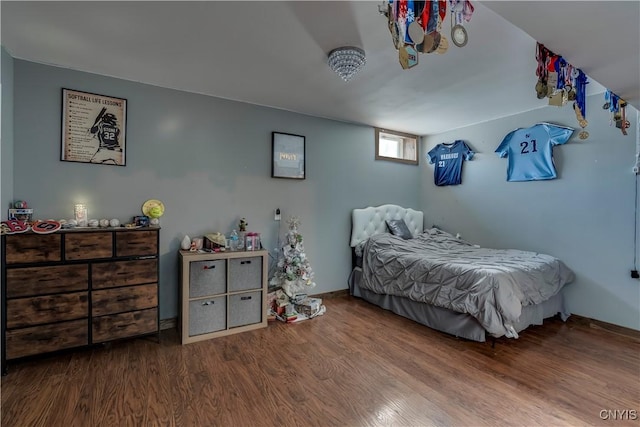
(581, 121)
(458, 33)
(443, 44)
(461, 10)
(404, 49)
(623, 124)
(408, 57)
(581, 91)
(392, 22)
(559, 97)
(433, 17)
(439, 8)
(409, 20)
(431, 38)
(541, 71)
(552, 75)
(416, 30)
(607, 100)
(427, 40)
(580, 106)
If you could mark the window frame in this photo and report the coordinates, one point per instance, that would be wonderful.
(402, 135)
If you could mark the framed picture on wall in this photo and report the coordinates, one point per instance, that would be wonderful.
(288, 158)
(93, 128)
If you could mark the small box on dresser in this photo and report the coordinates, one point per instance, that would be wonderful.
(222, 293)
(75, 288)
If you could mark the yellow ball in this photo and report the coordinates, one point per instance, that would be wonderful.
(155, 212)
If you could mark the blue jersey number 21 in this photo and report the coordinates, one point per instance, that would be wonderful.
(525, 147)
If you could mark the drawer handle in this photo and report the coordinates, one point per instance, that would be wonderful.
(209, 267)
(245, 262)
(244, 298)
(208, 303)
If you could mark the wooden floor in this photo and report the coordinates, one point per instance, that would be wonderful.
(356, 365)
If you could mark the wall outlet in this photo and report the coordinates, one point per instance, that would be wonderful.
(634, 274)
(276, 216)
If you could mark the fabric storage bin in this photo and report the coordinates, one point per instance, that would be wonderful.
(207, 315)
(245, 273)
(207, 278)
(245, 308)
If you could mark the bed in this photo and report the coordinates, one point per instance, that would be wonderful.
(450, 285)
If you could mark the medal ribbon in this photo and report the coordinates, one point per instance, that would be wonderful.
(542, 55)
(402, 20)
(581, 92)
(568, 80)
(456, 7)
(461, 10)
(433, 17)
(418, 9)
(442, 9)
(426, 14)
(467, 10)
(561, 69)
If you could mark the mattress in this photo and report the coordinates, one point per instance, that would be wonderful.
(491, 285)
(460, 325)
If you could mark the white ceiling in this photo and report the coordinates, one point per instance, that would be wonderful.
(274, 53)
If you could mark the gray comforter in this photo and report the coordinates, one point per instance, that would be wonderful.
(491, 285)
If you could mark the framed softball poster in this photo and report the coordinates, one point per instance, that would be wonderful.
(93, 128)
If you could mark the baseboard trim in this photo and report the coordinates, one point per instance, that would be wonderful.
(332, 294)
(170, 323)
(604, 326)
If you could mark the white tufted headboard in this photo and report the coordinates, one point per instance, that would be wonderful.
(370, 221)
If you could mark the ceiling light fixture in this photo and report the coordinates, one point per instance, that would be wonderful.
(347, 61)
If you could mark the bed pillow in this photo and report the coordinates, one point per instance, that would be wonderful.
(399, 228)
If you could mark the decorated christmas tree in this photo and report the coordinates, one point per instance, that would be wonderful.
(294, 272)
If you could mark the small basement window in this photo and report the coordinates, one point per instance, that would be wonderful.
(396, 146)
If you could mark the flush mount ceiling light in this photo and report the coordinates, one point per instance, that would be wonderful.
(347, 61)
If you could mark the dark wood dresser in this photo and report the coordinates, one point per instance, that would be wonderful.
(74, 288)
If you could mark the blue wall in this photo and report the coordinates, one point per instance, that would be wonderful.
(585, 217)
(6, 135)
(209, 161)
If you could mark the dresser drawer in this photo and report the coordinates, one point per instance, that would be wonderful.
(46, 338)
(118, 300)
(33, 248)
(136, 243)
(207, 278)
(88, 245)
(245, 273)
(125, 325)
(23, 312)
(123, 273)
(245, 309)
(207, 315)
(22, 282)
